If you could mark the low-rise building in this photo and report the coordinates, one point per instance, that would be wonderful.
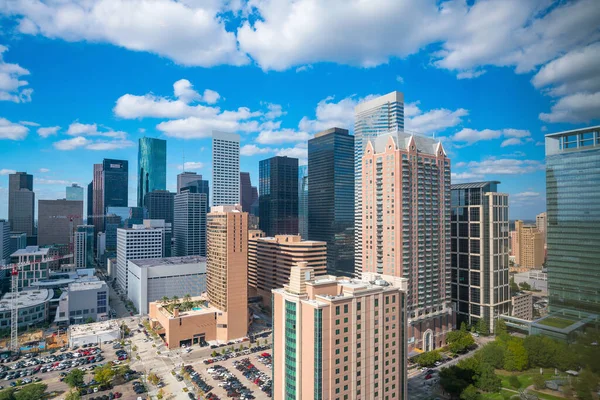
(94, 333)
(37, 268)
(522, 306)
(538, 280)
(88, 300)
(155, 278)
(33, 306)
(339, 338)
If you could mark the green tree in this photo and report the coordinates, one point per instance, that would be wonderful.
(514, 288)
(7, 394)
(73, 395)
(586, 384)
(455, 380)
(500, 329)
(75, 378)
(175, 299)
(514, 381)
(89, 320)
(459, 341)
(539, 382)
(492, 354)
(104, 374)
(470, 393)
(34, 391)
(429, 358)
(214, 353)
(525, 286)
(483, 327)
(486, 379)
(541, 351)
(516, 356)
(153, 378)
(165, 300)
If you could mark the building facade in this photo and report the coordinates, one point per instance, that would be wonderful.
(406, 228)
(480, 251)
(331, 197)
(33, 308)
(529, 246)
(21, 203)
(18, 240)
(226, 269)
(573, 234)
(57, 221)
(38, 259)
(88, 300)
(245, 191)
(74, 192)
(90, 203)
(186, 179)
(84, 247)
(5, 250)
(137, 242)
(152, 279)
(522, 306)
(270, 260)
(160, 205)
(191, 208)
(336, 338)
(98, 200)
(278, 198)
(226, 168)
(152, 167)
(371, 119)
(303, 201)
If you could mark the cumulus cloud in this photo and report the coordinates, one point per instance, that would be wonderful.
(79, 129)
(505, 166)
(330, 113)
(526, 195)
(29, 123)
(12, 86)
(89, 144)
(399, 79)
(431, 121)
(11, 130)
(48, 131)
(299, 152)
(252, 149)
(43, 181)
(191, 166)
(184, 91)
(109, 144)
(44, 170)
(71, 144)
(282, 136)
(5, 171)
(196, 33)
(458, 177)
(513, 136)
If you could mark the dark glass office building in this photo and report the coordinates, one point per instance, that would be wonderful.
(152, 167)
(159, 205)
(246, 192)
(115, 183)
(278, 196)
(331, 197)
(90, 203)
(573, 233)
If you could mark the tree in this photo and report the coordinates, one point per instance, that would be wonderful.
(525, 286)
(470, 393)
(539, 382)
(459, 341)
(165, 300)
(7, 394)
(153, 378)
(586, 384)
(501, 330)
(486, 379)
(34, 391)
(514, 381)
(455, 380)
(429, 358)
(175, 299)
(482, 327)
(214, 353)
(75, 378)
(514, 288)
(541, 351)
(516, 356)
(104, 374)
(89, 320)
(73, 395)
(492, 354)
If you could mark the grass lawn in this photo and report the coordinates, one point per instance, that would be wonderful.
(556, 322)
(525, 377)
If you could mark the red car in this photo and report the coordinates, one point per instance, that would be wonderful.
(118, 395)
(428, 377)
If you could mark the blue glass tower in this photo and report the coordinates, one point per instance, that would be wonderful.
(573, 233)
(278, 199)
(303, 201)
(152, 167)
(331, 197)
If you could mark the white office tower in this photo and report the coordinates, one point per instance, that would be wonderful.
(226, 168)
(138, 242)
(4, 242)
(371, 119)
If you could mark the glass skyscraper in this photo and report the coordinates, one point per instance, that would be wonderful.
(303, 201)
(573, 209)
(278, 199)
(331, 197)
(152, 167)
(371, 119)
(115, 183)
(74, 192)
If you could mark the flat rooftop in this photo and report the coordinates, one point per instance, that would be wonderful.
(157, 262)
(86, 285)
(26, 298)
(95, 328)
(31, 251)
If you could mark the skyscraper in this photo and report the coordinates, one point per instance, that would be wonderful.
(5, 250)
(371, 119)
(74, 192)
(245, 191)
(152, 167)
(226, 168)
(90, 203)
(136, 243)
(331, 197)
(406, 228)
(480, 235)
(541, 223)
(159, 204)
(57, 221)
(335, 338)
(186, 177)
(189, 229)
(110, 188)
(278, 200)
(573, 233)
(98, 201)
(303, 201)
(21, 203)
(226, 269)
(529, 251)
(84, 246)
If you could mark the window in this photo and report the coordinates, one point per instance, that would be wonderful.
(345, 308)
(337, 310)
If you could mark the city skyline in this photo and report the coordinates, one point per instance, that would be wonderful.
(491, 104)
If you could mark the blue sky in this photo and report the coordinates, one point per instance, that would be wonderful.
(83, 80)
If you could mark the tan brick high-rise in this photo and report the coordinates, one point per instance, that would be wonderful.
(529, 246)
(226, 269)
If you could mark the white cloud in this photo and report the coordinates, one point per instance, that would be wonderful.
(197, 128)
(505, 166)
(301, 153)
(304, 68)
(331, 114)
(109, 145)
(544, 128)
(12, 131)
(399, 79)
(252, 149)
(460, 164)
(79, 129)
(433, 120)
(5, 171)
(196, 32)
(48, 131)
(191, 166)
(526, 195)
(184, 91)
(275, 111)
(540, 143)
(470, 74)
(29, 123)
(282, 136)
(514, 136)
(465, 177)
(579, 107)
(43, 181)
(71, 144)
(12, 86)
(44, 170)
